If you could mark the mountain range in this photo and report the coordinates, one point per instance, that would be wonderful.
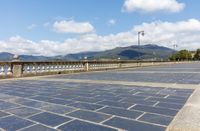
(144, 52)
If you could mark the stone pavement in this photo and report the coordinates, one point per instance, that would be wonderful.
(140, 99)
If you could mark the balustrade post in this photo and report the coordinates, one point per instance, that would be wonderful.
(120, 65)
(17, 69)
(86, 66)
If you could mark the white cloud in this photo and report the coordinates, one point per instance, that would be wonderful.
(112, 22)
(185, 33)
(153, 6)
(32, 26)
(72, 26)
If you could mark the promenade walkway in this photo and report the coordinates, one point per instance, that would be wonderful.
(155, 98)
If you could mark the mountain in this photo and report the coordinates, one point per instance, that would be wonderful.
(144, 52)
(5, 56)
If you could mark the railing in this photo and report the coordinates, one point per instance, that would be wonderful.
(21, 69)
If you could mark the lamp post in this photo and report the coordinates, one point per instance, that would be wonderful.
(139, 33)
(175, 46)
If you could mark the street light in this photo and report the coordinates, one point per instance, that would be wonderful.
(139, 33)
(175, 46)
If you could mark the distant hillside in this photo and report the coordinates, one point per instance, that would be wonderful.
(127, 53)
(5, 56)
(144, 52)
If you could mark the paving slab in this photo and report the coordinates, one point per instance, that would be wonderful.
(143, 99)
(77, 125)
(38, 127)
(132, 125)
(89, 115)
(12, 123)
(49, 119)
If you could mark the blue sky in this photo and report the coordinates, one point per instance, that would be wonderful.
(32, 22)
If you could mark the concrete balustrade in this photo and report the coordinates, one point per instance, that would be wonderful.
(21, 69)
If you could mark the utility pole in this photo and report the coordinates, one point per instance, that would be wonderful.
(139, 33)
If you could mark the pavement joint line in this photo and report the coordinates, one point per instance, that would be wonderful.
(26, 118)
(34, 122)
(75, 118)
(72, 111)
(56, 127)
(6, 116)
(166, 96)
(156, 103)
(107, 119)
(147, 98)
(136, 93)
(140, 121)
(140, 115)
(26, 127)
(152, 112)
(101, 108)
(131, 90)
(131, 106)
(77, 109)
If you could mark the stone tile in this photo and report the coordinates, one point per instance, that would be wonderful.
(88, 106)
(178, 97)
(77, 125)
(12, 123)
(58, 109)
(18, 100)
(67, 97)
(116, 104)
(132, 125)
(110, 98)
(158, 110)
(89, 115)
(60, 101)
(23, 111)
(169, 105)
(35, 104)
(87, 99)
(49, 119)
(167, 100)
(38, 127)
(151, 94)
(121, 112)
(138, 101)
(157, 119)
(2, 114)
(41, 98)
(130, 96)
(7, 105)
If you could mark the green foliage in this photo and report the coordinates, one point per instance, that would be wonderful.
(181, 55)
(197, 55)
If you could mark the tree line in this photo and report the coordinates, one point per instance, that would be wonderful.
(185, 55)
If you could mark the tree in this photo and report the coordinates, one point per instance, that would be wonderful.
(181, 55)
(197, 55)
(184, 55)
(173, 57)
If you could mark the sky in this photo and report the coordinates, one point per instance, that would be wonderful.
(59, 27)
